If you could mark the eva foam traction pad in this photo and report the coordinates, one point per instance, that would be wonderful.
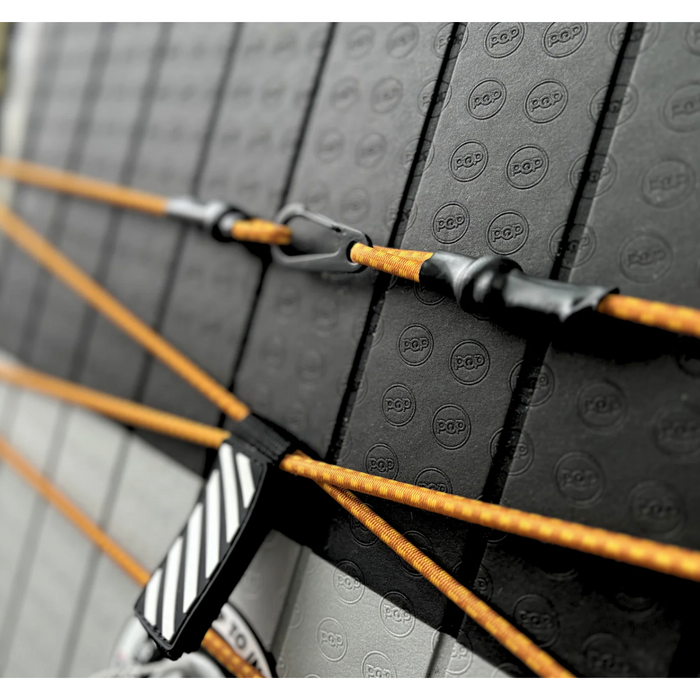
(515, 122)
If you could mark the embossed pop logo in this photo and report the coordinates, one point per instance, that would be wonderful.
(469, 362)
(579, 478)
(347, 581)
(434, 479)
(537, 616)
(386, 95)
(330, 637)
(601, 405)
(377, 665)
(645, 258)
(503, 39)
(396, 614)
(402, 40)
(468, 161)
(606, 656)
(563, 38)
(527, 167)
(656, 508)
(398, 404)
(681, 111)
(507, 233)
(677, 431)
(576, 249)
(415, 345)
(546, 101)
(451, 427)
(668, 183)
(381, 461)
(450, 223)
(486, 99)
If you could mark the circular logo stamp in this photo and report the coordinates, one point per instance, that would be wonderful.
(677, 431)
(657, 508)
(386, 95)
(601, 176)
(272, 353)
(396, 614)
(381, 460)
(407, 156)
(317, 196)
(311, 365)
(408, 217)
(344, 93)
(272, 92)
(538, 388)
(692, 38)
(507, 233)
(537, 616)
(688, 356)
(450, 223)
(288, 301)
(370, 150)
(563, 38)
(331, 639)
(578, 248)
(377, 665)
(487, 99)
(461, 656)
(623, 104)
(427, 296)
(442, 98)
(579, 478)
(415, 345)
(442, 39)
(298, 418)
(681, 110)
(667, 184)
(435, 479)
(325, 313)
(527, 167)
(546, 101)
(644, 35)
(483, 585)
(360, 41)
(645, 258)
(601, 405)
(360, 533)
(402, 40)
(468, 161)
(469, 362)
(606, 657)
(354, 205)
(329, 145)
(398, 404)
(520, 453)
(503, 39)
(451, 426)
(348, 582)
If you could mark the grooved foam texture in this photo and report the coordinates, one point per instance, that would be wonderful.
(65, 68)
(612, 444)
(145, 247)
(353, 166)
(248, 163)
(437, 382)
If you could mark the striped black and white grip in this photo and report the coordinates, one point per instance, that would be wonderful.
(224, 530)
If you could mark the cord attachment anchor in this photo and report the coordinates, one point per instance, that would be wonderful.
(216, 218)
(321, 253)
(491, 284)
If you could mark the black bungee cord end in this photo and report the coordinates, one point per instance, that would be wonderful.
(492, 285)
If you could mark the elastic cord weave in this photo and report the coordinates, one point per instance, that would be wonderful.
(70, 274)
(127, 412)
(78, 185)
(511, 638)
(261, 231)
(405, 264)
(669, 317)
(668, 559)
(212, 642)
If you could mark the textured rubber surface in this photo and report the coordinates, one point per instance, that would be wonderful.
(353, 166)
(403, 386)
(248, 161)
